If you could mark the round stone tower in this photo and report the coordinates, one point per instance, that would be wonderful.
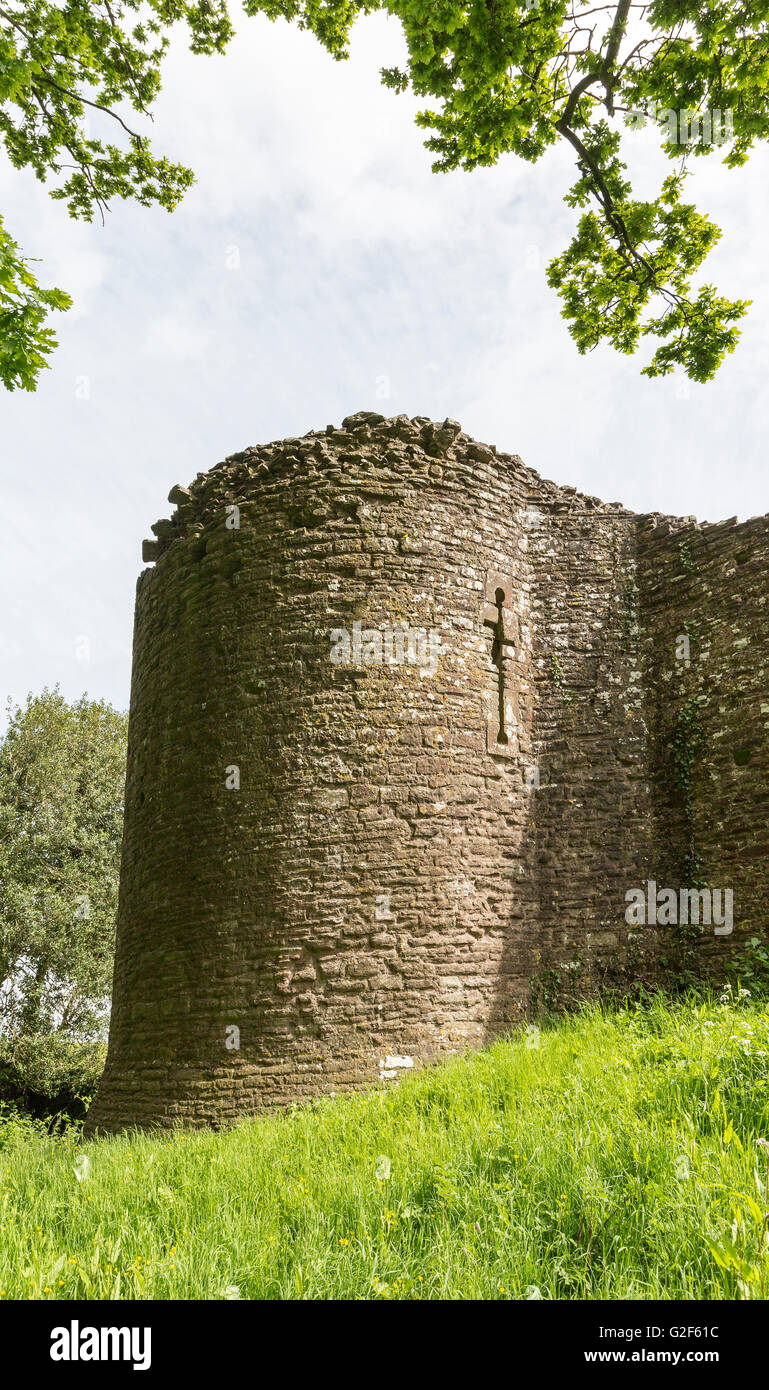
(399, 751)
(323, 881)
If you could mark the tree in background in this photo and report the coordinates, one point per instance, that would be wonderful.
(500, 76)
(62, 772)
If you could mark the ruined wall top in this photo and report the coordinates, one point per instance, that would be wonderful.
(415, 444)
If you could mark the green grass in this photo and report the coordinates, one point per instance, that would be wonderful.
(614, 1155)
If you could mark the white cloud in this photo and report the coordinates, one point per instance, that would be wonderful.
(175, 338)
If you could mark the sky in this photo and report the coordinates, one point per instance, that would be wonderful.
(318, 267)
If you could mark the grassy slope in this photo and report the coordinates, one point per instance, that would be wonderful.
(615, 1159)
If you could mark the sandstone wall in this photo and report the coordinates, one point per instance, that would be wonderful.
(592, 834)
(710, 711)
(341, 860)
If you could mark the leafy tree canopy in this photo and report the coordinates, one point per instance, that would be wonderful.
(498, 76)
(62, 769)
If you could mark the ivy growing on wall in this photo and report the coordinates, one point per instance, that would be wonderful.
(688, 742)
(684, 550)
(558, 677)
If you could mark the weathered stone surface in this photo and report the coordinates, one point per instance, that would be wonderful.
(343, 860)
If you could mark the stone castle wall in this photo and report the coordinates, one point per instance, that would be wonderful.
(709, 584)
(336, 865)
